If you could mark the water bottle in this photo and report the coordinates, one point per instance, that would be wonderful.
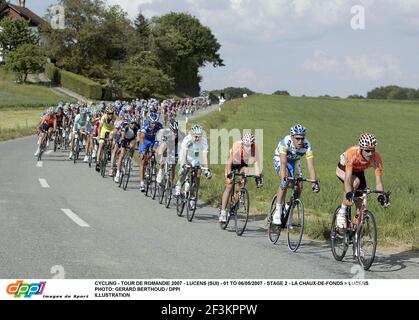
(186, 186)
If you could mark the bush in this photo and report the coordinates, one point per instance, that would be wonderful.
(52, 73)
(82, 85)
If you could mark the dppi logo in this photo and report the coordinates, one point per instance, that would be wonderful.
(19, 289)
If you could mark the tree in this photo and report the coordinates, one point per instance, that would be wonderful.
(183, 45)
(15, 33)
(26, 59)
(95, 37)
(141, 77)
(281, 93)
(3, 5)
(143, 31)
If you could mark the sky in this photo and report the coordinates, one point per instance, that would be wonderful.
(307, 47)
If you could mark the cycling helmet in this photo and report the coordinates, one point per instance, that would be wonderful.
(367, 141)
(298, 129)
(59, 108)
(50, 111)
(248, 139)
(153, 117)
(109, 110)
(174, 125)
(196, 130)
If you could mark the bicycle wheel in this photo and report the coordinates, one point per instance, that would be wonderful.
(147, 179)
(180, 203)
(274, 230)
(366, 235)
(339, 239)
(168, 192)
(127, 173)
(192, 199)
(161, 186)
(229, 209)
(153, 181)
(242, 212)
(76, 151)
(55, 142)
(295, 225)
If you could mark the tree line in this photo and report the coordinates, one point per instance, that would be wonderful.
(140, 57)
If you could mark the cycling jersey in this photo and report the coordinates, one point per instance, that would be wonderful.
(194, 151)
(352, 159)
(108, 124)
(48, 120)
(286, 146)
(150, 133)
(242, 154)
(80, 123)
(130, 133)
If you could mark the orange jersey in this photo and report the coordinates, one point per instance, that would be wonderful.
(49, 120)
(240, 154)
(352, 159)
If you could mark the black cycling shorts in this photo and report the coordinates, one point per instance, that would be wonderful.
(360, 176)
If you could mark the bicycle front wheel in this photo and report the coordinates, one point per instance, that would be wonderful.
(192, 200)
(295, 225)
(274, 230)
(242, 212)
(168, 192)
(339, 239)
(127, 174)
(366, 235)
(162, 189)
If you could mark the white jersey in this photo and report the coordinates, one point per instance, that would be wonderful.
(194, 151)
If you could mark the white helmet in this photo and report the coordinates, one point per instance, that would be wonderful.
(248, 139)
(367, 141)
(298, 129)
(196, 130)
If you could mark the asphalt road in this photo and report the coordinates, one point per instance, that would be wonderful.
(83, 225)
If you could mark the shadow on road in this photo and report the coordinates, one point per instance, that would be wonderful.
(396, 262)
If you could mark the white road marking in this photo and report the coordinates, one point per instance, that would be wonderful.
(39, 164)
(44, 183)
(75, 218)
(48, 152)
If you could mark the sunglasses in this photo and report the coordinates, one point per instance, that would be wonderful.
(299, 138)
(369, 151)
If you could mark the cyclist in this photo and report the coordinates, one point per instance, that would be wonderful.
(241, 154)
(45, 128)
(106, 127)
(148, 141)
(169, 145)
(350, 171)
(287, 159)
(83, 123)
(193, 151)
(129, 135)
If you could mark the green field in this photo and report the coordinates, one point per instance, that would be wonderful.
(21, 105)
(333, 126)
(24, 95)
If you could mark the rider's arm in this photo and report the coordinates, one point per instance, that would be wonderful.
(379, 183)
(142, 137)
(311, 168)
(348, 178)
(283, 165)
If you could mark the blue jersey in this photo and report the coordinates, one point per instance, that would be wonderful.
(150, 133)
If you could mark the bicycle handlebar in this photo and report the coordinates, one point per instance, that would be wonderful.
(188, 166)
(303, 179)
(368, 191)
